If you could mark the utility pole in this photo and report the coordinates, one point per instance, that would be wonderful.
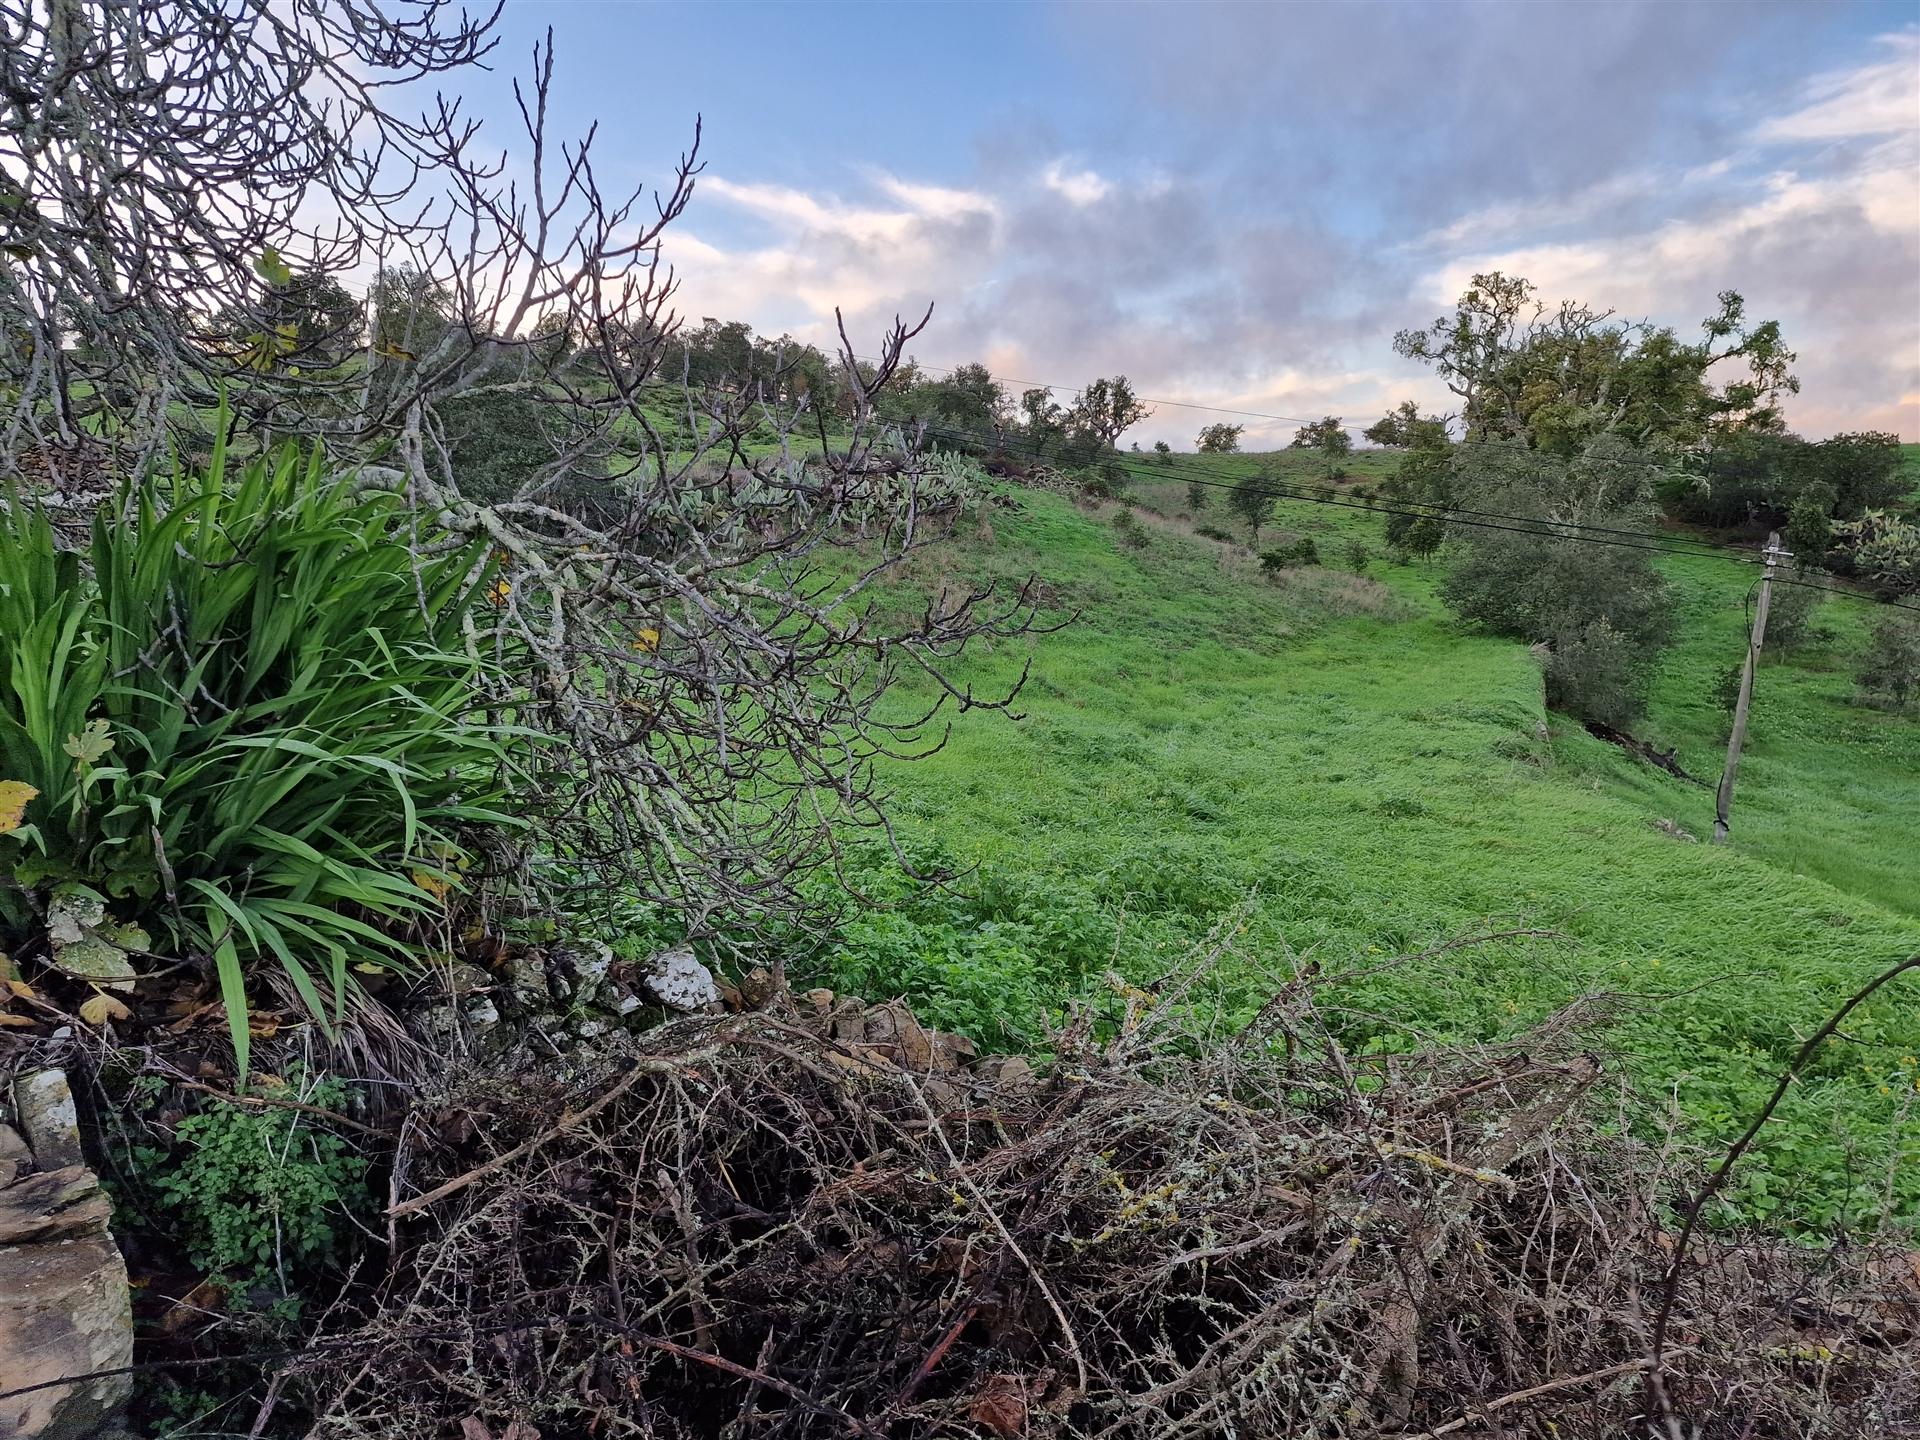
(1723, 806)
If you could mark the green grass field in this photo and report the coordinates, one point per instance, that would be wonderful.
(1335, 754)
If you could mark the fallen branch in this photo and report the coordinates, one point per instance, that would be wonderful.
(566, 1122)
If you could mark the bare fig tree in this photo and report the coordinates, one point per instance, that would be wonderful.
(192, 195)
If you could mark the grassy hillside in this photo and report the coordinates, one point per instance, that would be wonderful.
(1366, 778)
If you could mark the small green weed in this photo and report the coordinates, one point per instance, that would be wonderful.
(263, 1196)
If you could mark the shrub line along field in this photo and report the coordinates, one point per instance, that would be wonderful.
(1363, 776)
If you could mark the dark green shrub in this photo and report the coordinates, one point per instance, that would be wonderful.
(1214, 532)
(1726, 690)
(1889, 669)
(1301, 552)
(1358, 556)
(249, 722)
(1596, 672)
(1602, 612)
(499, 439)
(1809, 531)
(1127, 526)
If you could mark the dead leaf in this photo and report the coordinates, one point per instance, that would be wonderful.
(521, 1430)
(646, 640)
(262, 1026)
(20, 989)
(863, 1060)
(474, 1428)
(1001, 1406)
(16, 1021)
(202, 1303)
(433, 884)
(14, 795)
(99, 1008)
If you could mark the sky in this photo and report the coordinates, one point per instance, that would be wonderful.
(1238, 205)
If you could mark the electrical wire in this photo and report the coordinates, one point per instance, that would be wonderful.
(1532, 526)
(1280, 489)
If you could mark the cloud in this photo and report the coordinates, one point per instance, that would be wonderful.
(1059, 279)
(825, 252)
(1237, 280)
(1876, 99)
(1582, 207)
(1081, 187)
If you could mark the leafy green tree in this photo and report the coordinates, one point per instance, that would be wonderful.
(969, 399)
(1220, 439)
(1422, 485)
(1404, 426)
(1106, 410)
(1162, 452)
(329, 321)
(967, 409)
(1809, 531)
(1319, 435)
(1328, 436)
(412, 312)
(1252, 501)
(555, 340)
(1758, 479)
(1196, 496)
(1040, 416)
(303, 321)
(1558, 377)
(719, 352)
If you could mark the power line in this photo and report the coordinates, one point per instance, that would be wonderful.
(1531, 526)
(1705, 548)
(1281, 489)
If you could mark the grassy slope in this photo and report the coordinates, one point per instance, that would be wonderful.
(1379, 780)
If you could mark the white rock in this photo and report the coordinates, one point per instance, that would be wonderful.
(680, 982)
(44, 1104)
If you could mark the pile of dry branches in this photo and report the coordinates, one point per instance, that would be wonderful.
(753, 1228)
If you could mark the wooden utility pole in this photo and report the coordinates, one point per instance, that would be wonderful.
(1723, 806)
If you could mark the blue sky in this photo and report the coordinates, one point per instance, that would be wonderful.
(1239, 204)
